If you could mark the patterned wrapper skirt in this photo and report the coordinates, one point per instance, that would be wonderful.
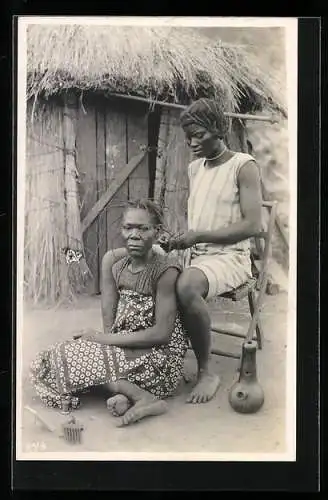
(74, 366)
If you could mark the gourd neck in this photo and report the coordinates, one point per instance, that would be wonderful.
(248, 366)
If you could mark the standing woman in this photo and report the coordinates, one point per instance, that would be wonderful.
(140, 355)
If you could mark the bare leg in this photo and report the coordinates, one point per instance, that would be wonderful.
(144, 404)
(192, 287)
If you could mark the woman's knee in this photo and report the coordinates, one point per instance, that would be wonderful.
(191, 284)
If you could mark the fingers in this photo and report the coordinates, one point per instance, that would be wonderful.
(84, 336)
(167, 246)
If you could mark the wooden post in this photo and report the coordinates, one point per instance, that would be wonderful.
(77, 270)
(161, 159)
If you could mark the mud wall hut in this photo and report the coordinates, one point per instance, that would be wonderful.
(101, 130)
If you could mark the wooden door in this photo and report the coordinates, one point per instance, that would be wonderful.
(110, 134)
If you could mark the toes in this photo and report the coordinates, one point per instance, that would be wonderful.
(128, 418)
(202, 398)
(120, 423)
(192, 398)
(197, 398)
(123, 421)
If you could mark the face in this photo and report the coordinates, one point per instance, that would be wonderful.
(202, 142)
(138, 231)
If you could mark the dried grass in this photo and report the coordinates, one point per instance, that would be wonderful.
(174, 64)
(46, 274)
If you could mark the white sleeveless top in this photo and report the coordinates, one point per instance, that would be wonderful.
(214, 201)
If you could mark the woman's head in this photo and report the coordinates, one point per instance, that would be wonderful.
(205, 126)
(142, 221)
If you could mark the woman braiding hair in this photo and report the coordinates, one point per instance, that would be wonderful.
(224, 212)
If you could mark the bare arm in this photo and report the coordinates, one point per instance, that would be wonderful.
(109, 295)
(166, 310)
(250, 205)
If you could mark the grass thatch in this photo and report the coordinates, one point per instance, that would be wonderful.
(52, 221)
(175, 64)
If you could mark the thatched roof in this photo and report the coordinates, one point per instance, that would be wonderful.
(172, 64)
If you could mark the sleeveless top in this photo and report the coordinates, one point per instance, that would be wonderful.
(214, 201)
(144, 281)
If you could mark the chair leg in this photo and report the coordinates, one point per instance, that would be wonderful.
(258, 327)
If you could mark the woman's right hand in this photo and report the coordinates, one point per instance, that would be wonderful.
(165, 243)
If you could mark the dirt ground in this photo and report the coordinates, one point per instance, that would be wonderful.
(206, 428)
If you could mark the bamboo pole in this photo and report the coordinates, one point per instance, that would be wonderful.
(241, 116)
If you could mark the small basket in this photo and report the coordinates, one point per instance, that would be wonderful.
(72, 431)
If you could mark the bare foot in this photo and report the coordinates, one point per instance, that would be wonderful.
(118, 405)
(143, 408)
(205, 388)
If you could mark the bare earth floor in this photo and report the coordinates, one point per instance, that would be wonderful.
(212, 428)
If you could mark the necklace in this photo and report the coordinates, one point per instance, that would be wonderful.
(218, 156)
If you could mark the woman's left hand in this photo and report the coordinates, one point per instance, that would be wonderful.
(84, 336)
(90, 335)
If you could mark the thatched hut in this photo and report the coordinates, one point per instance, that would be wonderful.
(97, 136)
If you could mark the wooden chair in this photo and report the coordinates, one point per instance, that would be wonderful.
(254, 289)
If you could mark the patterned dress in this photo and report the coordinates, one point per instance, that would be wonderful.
(70, 367)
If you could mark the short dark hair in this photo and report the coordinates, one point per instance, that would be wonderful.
(207, 113)
(155, 211)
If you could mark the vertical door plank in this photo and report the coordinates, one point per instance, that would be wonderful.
(102, 185)
(137, 140)
(86, 165)
(116, 158)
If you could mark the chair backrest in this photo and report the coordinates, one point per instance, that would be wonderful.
(263, 242)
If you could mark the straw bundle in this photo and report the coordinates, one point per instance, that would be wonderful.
(174, 64)
(47, 219)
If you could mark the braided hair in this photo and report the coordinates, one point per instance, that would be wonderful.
(154, 210)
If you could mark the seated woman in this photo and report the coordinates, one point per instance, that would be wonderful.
(140, 355)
